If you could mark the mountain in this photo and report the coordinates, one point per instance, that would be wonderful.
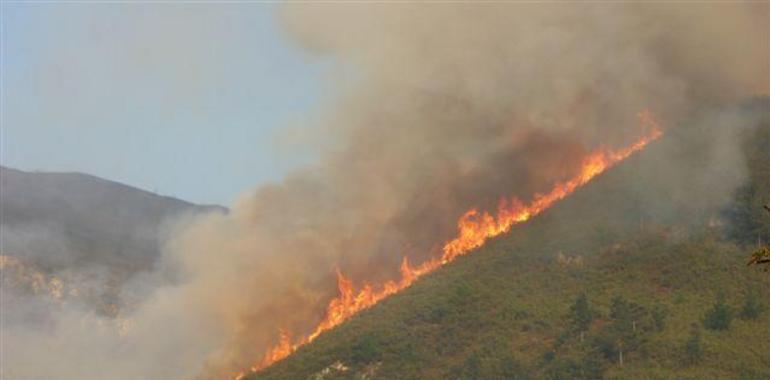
(640, 275)
(56, 219)
(76, 225)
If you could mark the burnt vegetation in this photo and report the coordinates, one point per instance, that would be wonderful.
(659, 292)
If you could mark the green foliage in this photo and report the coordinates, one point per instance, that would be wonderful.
(589, 367)
(659, 314)
(511, 369)
(752, 374)
(693, 348)
(720, 316)
(751, 307)
(624, 333)
(580, 314)
(761, 258)
(367, 350)
(625, 312)
(499, 314)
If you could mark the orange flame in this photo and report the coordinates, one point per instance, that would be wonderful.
(474, 229)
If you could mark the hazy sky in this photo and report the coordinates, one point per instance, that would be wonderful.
(182, 99)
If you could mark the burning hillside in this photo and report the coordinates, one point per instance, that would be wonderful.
(521, 103)
(504, 311)
(431, 113)
(473, 230)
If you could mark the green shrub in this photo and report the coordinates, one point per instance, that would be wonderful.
(720, 316)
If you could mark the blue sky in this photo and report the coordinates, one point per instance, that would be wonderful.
(188, 100)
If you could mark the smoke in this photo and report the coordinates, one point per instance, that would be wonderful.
(438, 108)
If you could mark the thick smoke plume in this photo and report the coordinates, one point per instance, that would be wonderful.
(442, 107)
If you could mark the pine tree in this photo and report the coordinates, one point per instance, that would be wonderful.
(720, 316)
(626, 314)
(580, 315)
(619, 308)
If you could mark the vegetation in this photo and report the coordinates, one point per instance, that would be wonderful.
(580, 315)
(751, 307)
(651, 298)
(659, 314)
(720, 316)
(693, 349)
(761, 257)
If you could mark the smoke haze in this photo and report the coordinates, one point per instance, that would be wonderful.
(438, 108)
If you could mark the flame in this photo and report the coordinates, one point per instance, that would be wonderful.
(19, 274)
(474, 229)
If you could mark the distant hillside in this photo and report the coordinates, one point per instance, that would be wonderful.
(59, 219)
(70, 235)
(653, 252)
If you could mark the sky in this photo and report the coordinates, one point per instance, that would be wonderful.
(196, 101)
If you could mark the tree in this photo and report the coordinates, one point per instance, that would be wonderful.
(615, 341)
(626, 314)
(618, 308)
(659, 314)
(762, 255)
(624, 333)
(751, 307)
(580, 315)
(720, 316)
(692, 348)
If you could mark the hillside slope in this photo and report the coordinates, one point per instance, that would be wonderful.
(72, 231)
(54, 219)
(651, 252)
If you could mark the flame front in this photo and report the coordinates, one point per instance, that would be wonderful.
(474, 229)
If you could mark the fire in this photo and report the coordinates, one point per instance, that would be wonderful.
(474, 229)
(22, 275)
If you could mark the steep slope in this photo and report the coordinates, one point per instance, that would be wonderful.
(650, 250)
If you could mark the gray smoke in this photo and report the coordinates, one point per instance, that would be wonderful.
(437, 108)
